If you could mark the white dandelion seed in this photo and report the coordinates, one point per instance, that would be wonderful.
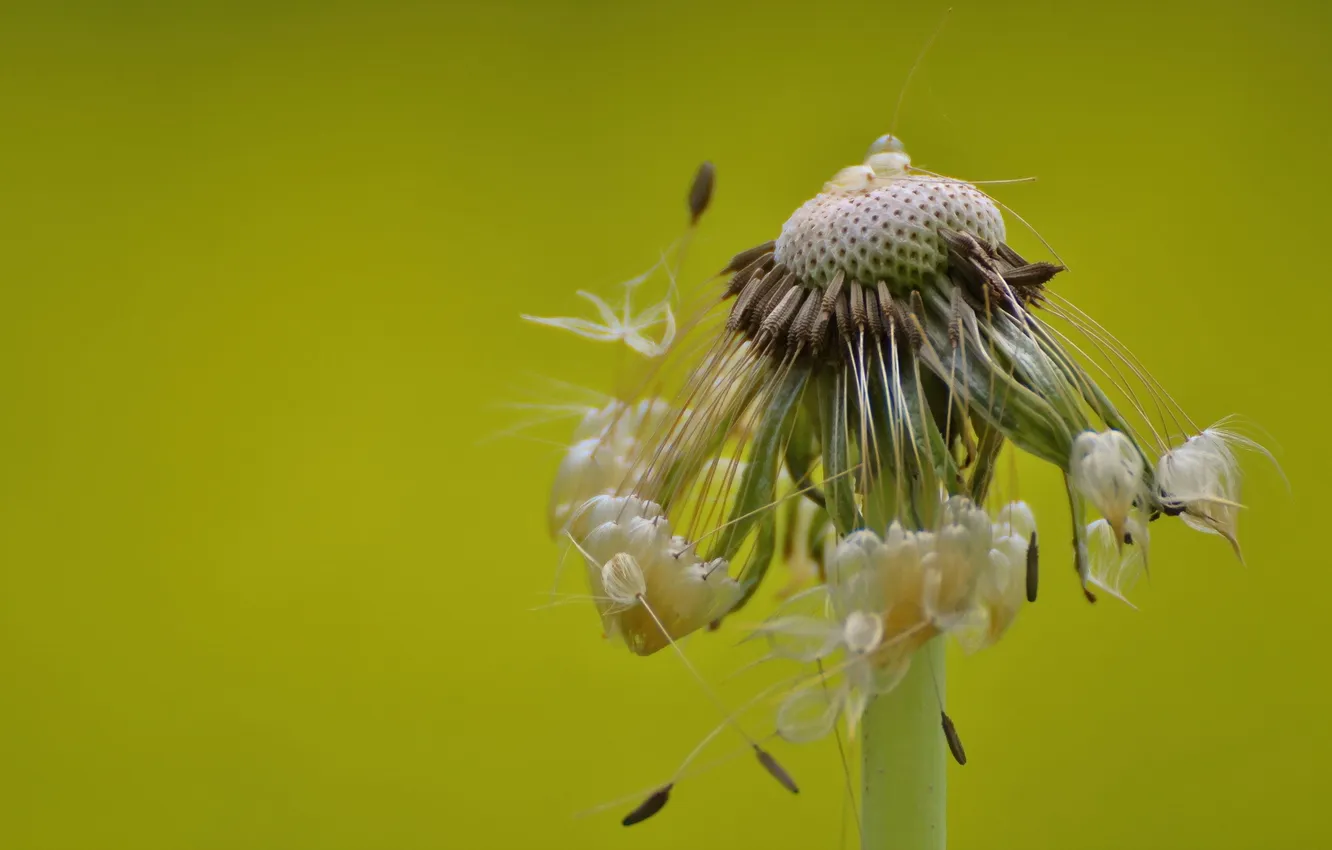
(959, 558)
(1107, 469)
(634, 330)
(1200, 481)
(862, 670)
(1001, 588)
(1116, 568)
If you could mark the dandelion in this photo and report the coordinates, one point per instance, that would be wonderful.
(846, 415)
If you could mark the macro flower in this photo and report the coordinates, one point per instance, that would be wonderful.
(846, 415)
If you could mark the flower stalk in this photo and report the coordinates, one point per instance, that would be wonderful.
(904, 800)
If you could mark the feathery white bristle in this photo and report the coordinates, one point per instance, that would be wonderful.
(1201, 479)
(1116, 568)
(622, 579)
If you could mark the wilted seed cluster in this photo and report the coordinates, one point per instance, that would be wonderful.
(885, 596)
(649, 585)
(847, 417)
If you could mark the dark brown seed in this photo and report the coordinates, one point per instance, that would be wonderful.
(802, 328)
(1033, 570)
(755, 293)
(842, 310)
(915, 331)
(700, 193)
(763, 309)
(918, 306)
(777, 324)
(1008, 256)
(744, 258)
(886, 308)
(778, 772)
(955, 324)
(748, 272)
(649, 807)
(832, 291)
(819, 332)
(859, 318)
(1032, 274)
(954, 742)
(874, 314)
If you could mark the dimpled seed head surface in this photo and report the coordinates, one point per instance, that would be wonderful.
(885, 232)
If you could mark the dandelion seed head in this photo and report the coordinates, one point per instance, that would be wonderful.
(876, 221)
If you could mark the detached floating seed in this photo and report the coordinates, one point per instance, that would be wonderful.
(1033, 568)
(700, 193)
(649, 807)
(778, 772)
(954, 742)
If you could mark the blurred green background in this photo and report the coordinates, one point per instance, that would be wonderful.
(266, 572)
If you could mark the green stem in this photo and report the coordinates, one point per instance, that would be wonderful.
(904, 799)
